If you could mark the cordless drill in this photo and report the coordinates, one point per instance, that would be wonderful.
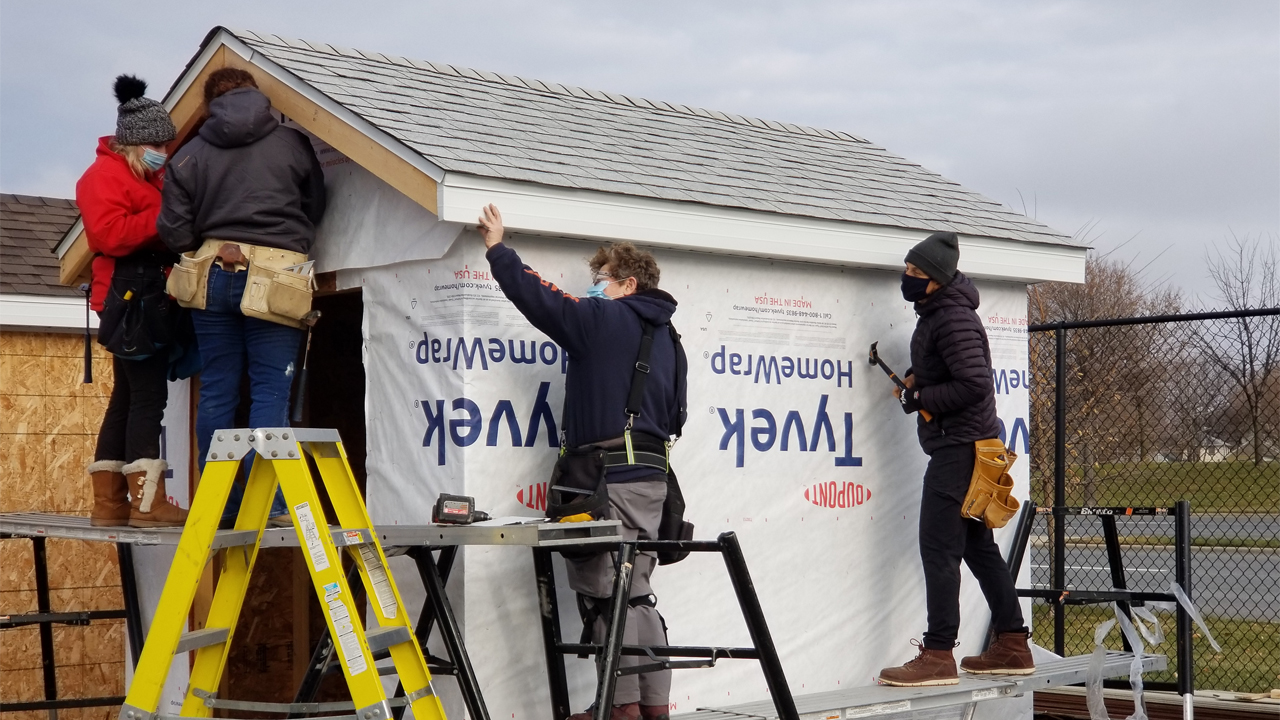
(456, 510)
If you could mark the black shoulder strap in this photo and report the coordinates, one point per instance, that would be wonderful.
(679, 412)
(641, 375)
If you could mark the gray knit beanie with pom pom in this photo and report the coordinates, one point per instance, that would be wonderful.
(140, 120)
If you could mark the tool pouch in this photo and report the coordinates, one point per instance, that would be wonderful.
(673, 526)
(578, 484)
(138, 319)
(276, 296)
(578, 491)
(272, 292)
(189, 279)
(989, 498)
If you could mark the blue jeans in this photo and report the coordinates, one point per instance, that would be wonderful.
(230, 342)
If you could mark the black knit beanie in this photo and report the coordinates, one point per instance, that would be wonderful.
(937, 255)
(140, 120)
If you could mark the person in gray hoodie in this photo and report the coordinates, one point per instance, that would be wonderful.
(245, 179)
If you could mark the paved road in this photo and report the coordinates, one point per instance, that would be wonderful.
(1216, 525)
(1226, 582)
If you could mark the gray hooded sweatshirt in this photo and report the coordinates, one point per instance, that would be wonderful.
(244, 177)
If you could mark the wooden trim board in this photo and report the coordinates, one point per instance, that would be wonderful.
(344, 138)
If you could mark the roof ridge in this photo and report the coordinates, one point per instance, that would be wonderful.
(553, 88)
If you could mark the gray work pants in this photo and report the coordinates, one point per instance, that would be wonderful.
(639, 506)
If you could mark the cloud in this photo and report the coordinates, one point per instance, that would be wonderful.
(1154, 119)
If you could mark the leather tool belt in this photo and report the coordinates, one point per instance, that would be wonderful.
(273, 291)
(988, 498)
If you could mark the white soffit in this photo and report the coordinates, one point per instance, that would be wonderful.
(70, 237)
(45, 312)
(544, 210)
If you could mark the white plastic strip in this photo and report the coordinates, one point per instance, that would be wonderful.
(1154, 635)
(1093, 676)
(1190, 607)
(1135, 669)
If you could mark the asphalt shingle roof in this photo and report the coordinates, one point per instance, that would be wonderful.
(500, 126)
(30, 228)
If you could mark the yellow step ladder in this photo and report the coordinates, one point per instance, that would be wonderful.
(282, 459)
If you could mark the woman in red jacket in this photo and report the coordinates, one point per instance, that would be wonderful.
(119, 199)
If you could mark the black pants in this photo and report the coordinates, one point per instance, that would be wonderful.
(131, 428)
(946, 538)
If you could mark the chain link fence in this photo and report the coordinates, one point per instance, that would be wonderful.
(1158, 410)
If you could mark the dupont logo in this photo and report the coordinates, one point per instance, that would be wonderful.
(837, 495)
(533, 497)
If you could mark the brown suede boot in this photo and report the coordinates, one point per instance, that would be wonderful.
(630, 711)
(150, 504)
(110, 493)
(655, 712)
(930, 667)
(1009, 654)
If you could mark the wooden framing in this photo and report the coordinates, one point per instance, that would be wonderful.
(359, 147)
(73, 266)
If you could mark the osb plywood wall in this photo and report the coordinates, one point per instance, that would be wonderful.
(48, 427)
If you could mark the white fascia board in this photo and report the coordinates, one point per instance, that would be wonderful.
(69, 238)
(179, 88)
(543, 210)
(236, 45)
(44, 312)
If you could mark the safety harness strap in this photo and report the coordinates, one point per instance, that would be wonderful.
(593, 608)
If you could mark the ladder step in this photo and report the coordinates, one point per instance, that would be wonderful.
(383, 638)
(233, 538)
(201, 638)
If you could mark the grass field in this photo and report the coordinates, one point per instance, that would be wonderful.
(1249, 661)
(1232, 486)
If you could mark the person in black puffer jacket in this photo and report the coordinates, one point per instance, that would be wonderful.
(950, 378)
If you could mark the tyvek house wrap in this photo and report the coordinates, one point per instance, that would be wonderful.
(464, 396)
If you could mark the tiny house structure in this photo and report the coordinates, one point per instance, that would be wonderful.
(783, 245)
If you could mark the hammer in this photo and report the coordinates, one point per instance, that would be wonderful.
(873, 358)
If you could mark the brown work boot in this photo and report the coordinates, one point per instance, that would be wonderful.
(1009, 654)
(110, 493)
(150, 504)
(630, 711)
(930, 667)
(655, 712)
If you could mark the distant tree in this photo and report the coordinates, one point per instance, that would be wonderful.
(1116, 376)
(1246, 273)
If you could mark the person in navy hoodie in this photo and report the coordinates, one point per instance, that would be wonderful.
(601, 333)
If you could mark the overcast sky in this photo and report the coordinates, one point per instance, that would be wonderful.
(1154, 123)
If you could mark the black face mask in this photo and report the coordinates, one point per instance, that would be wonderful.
(914, 289)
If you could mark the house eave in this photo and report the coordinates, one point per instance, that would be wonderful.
(544, 210)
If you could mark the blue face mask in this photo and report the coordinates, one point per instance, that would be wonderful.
(914, 289)
(152, 159)
(597, 290)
